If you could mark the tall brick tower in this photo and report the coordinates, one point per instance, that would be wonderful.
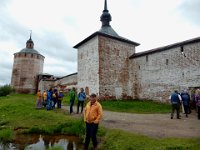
(28, 63)
(103, 60)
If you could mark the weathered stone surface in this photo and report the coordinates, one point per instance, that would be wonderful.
(26, 67)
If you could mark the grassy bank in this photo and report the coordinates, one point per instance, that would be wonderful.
(18, 115)
(119, 140)
(136, 106)
(132, 106)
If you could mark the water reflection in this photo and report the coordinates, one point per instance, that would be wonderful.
(42, 142)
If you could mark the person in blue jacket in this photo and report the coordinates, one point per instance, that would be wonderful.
(186, 101)
(175, 99)
(81, 99)
(49, 99)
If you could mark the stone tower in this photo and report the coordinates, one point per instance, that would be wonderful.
(103, 60)
(28, 63)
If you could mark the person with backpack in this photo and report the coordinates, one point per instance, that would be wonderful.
(81, 99)
(72, 96)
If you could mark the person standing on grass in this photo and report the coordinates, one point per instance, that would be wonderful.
(176, 102)
(92, 115)
(197, 99)
(39, 99)
(60, 98)
(81, 99)
(49, 99)
(72, 96)
(44, 98)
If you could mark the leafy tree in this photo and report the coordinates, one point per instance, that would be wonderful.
(6, 90)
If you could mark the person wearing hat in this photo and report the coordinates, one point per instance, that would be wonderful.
(92, 115)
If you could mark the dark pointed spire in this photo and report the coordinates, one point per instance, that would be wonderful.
(29, 43)
(105, 17)
(30, 35)
(105, 5)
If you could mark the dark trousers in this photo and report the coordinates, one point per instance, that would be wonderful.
(59, 103)
(177, 108)
(91, 132)
(54, 102)
(71, 106)
(80, 103)
(198, 111)
(186, 109)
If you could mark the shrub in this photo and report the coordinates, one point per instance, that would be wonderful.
(6, 90)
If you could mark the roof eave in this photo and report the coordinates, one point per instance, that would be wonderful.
(106, 35)
(167, 47)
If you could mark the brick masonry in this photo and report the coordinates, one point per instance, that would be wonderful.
(26, 67)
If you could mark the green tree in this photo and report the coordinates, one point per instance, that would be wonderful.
(6, 90)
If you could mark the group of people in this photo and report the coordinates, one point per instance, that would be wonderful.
(92, 112)
(48, 99)
(183, 99)
(81, 99)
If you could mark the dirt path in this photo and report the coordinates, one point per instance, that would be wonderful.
(153, 125)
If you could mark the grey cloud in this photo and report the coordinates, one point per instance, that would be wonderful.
(5, 76)
(11, 29)
(53, 44)
(190, 9)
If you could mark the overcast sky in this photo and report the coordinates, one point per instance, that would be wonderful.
(58, 25)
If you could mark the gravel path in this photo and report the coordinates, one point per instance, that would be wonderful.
(153, 125)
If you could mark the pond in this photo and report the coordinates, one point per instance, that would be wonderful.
(43, 142)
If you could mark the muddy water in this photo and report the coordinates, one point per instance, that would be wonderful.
(43, 142)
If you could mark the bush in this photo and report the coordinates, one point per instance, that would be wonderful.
(6, 90)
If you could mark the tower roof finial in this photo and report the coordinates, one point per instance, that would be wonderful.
(105, 17)
(30, 41)
(105, 5)
(30, 34)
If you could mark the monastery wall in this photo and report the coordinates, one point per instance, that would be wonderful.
(88, 66)
(156, 75)
(68, 81)
(114, 67)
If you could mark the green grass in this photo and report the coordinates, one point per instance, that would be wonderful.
(18, 115)
(17, 112)
(130, 106)
(119, 140)
(136, 106)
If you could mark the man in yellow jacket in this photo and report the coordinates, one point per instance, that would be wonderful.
(92, 116)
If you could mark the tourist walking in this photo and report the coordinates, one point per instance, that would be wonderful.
(72, 96)
(92, 116)
(197, 99)
(175, 99)
(39, 99)
(186, 102)
(81, 99)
